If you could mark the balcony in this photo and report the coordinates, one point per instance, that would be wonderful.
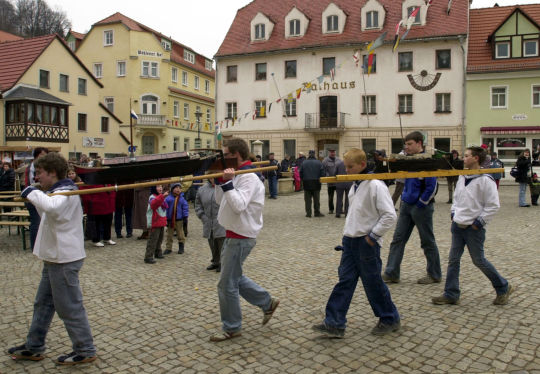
(323, 123)
(150, 120)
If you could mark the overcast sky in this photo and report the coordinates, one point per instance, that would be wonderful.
(199, 24)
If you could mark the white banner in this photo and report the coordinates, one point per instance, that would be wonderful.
(93, 142)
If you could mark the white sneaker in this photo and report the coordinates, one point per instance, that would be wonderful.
(98, 244)
(110, 242)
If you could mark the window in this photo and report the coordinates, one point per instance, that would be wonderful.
(502, 50)
(443, 59)
(405, 61)
(369, 104)
(184, 78)
(294, 27)
(176, 109)
(290, 69)
(121, 68)
(231, 110)
(189, 56)
(174, 75)
(206, 86)
(260, 72)
(64, 83)
(108, 37)
(44, 79)
(208, 116)
(442, 104)
(417, 18)
(186, 144)
(498, 97)
(530, 48)
(208, 65)
(232, 73)
(150, 69)
(405, 104)
(208, 144)
(372, 19)
(98, 70)
(328, 64)
(176, 141)
(82, 86)
(536, 96)
(290, 107)
(166, 44)
(71, 45)
(397, 145)
(442, 144)
(259, 31)
(104, 124)
(332, 23)
(365, 60)
(260, 108)
(81, 122)
(369, 145)
(109, 103)
(289, 148)
(196, 82)
(150, 104)
(186, 111)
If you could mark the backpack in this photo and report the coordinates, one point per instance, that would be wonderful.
(514, 172)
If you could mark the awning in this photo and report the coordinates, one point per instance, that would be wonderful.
(33, 94)
(510, 130)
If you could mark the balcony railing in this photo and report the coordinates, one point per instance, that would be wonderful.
(151, 120)
(321, 122)
(37, 132)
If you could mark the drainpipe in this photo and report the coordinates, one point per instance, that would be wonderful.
(462, 40)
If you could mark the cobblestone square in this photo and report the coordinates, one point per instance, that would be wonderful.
(158, 318)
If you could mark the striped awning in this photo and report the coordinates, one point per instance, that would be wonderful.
(510, 130)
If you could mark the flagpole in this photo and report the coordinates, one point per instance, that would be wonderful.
(282, 103)
(131, 154)
(365, 95)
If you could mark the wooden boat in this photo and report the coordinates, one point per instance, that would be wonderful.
(125, 170)
(422, 162)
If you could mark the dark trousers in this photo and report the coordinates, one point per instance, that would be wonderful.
(331, 190)
(128, 212)
(360, 260)
(102, 224)
(398, 191)
(35, 220)
(215, 247)
(340, 195)
(153, 245)
(314, 195)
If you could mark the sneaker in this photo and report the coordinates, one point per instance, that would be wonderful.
(442, 300)
(319, 215)
(167, 251)
(383, 329)
(388, 279)
(503, 299)
(21, 353)
(119, 236)
(329, 331)
(98, 244)
(268, 314)
(149, 261)
(110, 242)
(428, 279)
(74, 359)
(225, 336)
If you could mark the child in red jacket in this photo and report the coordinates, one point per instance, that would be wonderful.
(156, 218)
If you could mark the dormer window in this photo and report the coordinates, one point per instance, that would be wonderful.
(417, 18)
(502, 50)
(294, 27)
(166, 44)
(189, 56)
(372, 19)
(259, 31)
(332, 23)
(530, 48)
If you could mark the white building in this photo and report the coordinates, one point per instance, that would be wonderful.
(274, 48)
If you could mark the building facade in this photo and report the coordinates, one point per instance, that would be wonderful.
(503, 80)
(273, 50)
(44, 103)
(167, 85)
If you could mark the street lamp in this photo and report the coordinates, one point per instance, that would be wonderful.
(198, 115)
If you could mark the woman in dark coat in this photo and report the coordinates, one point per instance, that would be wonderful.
(7, 177)
(523, 164)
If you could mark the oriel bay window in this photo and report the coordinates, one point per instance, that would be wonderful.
(27, 120)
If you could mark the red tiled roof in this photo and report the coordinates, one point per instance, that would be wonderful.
(483, 23)
(190, 94)
(77, 35)
(237, 41)
(7, 37)
(19, 55)
(177, 53)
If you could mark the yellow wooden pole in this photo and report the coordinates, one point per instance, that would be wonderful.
(409, 174)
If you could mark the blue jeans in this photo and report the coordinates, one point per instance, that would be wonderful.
(59, 291)
(118, 220)
(409, 216)
(522, 192)
(35, 220)
(272, 185)
(360, 260)
(233, 283)
(474, 239)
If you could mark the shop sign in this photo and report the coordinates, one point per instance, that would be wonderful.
(149, 53)
(519, 117)
(93, 142)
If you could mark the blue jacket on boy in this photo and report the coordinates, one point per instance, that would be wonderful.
(182, 211)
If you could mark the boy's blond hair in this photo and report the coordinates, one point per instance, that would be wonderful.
(355, 155)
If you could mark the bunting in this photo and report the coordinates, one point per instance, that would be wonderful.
(356, 58)
(218, 132)
(396, 37)
(410, 21)
(449, 6)
(298, 93)
(332, 73)
(370, 62)
(270, 107)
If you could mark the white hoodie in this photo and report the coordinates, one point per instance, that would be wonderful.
(478, 200)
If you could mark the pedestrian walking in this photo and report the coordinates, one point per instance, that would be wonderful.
(310, 172)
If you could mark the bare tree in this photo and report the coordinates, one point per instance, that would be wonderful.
(35, 18)
(7, 17)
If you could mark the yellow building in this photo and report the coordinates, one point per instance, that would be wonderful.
(164, 82)
(49, 98)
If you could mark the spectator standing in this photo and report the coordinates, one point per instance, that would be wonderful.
(29, 179)
(400, 185)
(496, 163)
(140, 205)
(535, 189)
(99, 208)
(7, 180)
(342, 192)
(206, 209)
(523, 164)
(272, 176)
(124, 209)
(301, 158)
(156, 221)
(452, 180)
(330, 166)
(177, 212)
(310, 173)
(285, 164)
(72, 174)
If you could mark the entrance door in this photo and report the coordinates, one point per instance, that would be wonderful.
(148, 144)
(328, 111)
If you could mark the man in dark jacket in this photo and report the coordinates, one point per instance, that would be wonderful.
(272, 176)
(7, 177)
(310, 172)
(330, 164)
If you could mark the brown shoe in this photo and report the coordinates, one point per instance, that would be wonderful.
(225, 336)
(503, 299)
(388, 279)
(428, 279)
(270, 312)
(443, 300)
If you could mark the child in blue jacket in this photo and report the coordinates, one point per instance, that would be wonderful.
(177, 212)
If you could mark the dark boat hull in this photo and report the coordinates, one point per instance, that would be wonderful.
(426, 164)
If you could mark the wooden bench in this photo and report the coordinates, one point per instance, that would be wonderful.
(21, 223)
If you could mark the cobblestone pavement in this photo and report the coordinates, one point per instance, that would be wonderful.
(158, 318)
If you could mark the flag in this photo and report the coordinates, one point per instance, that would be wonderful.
(262, 111)
(289, 98)
(332, 73)
(218, 132)
(254, 114)
(377, 42)
(356, 57)
(270, 107)
(206, 127)
(234, 118)
(246, 114)
(412, 17)
(308, 87)
(396, 37)
(370, 62)
(320, 79)
(298, 93)
(278, 100)
(449, 6)
(191, 126)
(133, 115)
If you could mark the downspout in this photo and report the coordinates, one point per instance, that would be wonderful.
(217, 143)
(464, 87)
